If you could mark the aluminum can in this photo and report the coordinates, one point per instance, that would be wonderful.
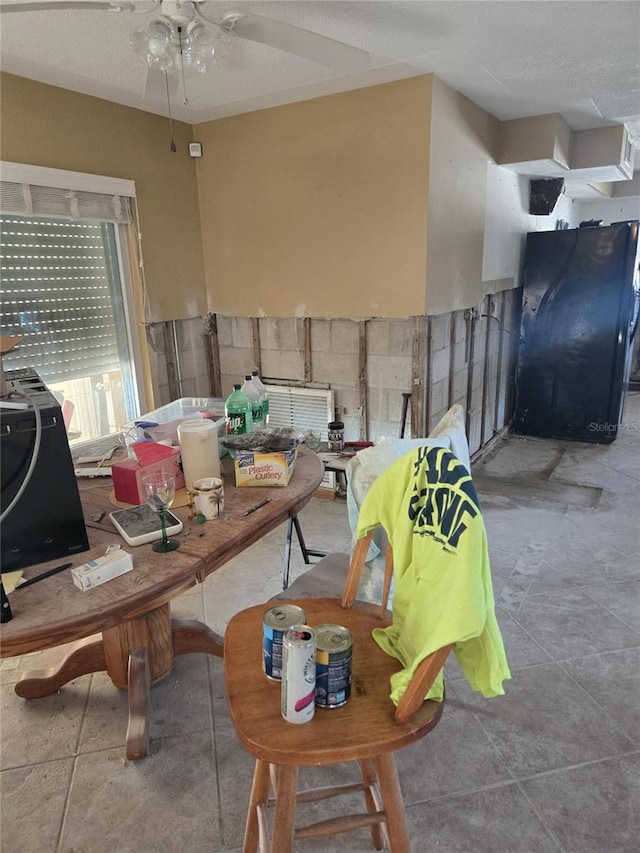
(334, 646)
(298, 674)
(275, 622)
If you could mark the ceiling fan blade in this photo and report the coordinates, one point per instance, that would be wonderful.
(48, 5)
(155, 85)
(305, 43)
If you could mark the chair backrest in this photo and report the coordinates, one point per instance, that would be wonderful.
(429, 668)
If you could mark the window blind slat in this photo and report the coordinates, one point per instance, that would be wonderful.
(32, 200)
(59, 301)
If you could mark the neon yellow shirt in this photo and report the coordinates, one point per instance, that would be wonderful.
(427, 503)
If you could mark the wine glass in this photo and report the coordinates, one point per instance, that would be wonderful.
(160, 490)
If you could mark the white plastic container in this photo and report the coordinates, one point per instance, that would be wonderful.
(198, 441)
(211, 408)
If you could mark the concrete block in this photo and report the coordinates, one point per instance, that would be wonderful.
(351, 428)
(460, 385)
(401, 337)
(378, 404)
(336, 370)
(320, 337)
(191, 364)
(190, 333)
(377, 337)
(155, 337)
(159, 368)
(389, 372)
(225, 330)
(394, 406)
(234, 363)
(440, 330)
(162, 396)
(347, 400)
(461, 326)
(242, 333)
(459, 352)
(283, 364)
(198, 387)
(439, 395)
(440, 365)
(345, 336)
(436, 417)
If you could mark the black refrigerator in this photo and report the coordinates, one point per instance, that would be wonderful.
(579, 314)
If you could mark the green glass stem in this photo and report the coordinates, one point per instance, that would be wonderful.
(165, 544)
(163, 521)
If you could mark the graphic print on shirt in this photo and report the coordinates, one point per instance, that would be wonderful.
(444, 499)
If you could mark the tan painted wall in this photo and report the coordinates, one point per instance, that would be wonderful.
(464, 138)
(47, 126)
(319, 208)
(545, 137)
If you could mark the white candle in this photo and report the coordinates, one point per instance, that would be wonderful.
(198, 441)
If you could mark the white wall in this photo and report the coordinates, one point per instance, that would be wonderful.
(507, 222)
(610, 209)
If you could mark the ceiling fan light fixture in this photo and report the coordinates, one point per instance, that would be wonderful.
(175, 48)
(153, 43)
(201, 41)
(159, 37)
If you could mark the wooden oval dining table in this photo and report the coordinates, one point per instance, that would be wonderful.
(125, 626)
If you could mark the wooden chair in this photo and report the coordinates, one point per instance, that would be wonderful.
(368, 729)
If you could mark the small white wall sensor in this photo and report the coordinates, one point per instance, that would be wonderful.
(195, 149)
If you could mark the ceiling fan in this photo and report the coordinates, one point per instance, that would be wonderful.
(186, 36)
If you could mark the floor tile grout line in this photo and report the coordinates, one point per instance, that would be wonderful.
(220, 810)
(65, 807)
(541, 818)
(487, 734)
(604, 711)
(552, 771)
(613, 613)
(517, 778)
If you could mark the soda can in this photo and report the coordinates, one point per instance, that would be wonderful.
(333, 665)
(298, 674)
(275, 622)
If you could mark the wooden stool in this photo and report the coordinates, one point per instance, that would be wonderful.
(368, 729)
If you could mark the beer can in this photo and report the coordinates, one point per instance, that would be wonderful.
(298, 674)
(333, 665)
(275, 622)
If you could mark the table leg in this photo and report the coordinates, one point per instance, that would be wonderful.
(293, 522)
(190, 636)
(151, 632)
(137, 739)
(135, 654)
(85, 656)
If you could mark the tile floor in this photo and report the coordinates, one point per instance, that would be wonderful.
(554, 765)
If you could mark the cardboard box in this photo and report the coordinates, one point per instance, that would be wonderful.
(264, 469)
(127, 475)
(102, 569)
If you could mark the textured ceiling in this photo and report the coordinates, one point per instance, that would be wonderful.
(514, 58)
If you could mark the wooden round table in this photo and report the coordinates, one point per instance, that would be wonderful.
(138, 639)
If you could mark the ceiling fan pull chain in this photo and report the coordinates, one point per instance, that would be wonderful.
(185, 100)
(172, 147)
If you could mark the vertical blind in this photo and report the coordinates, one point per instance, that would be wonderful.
(58, 293)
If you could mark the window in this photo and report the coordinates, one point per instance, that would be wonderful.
(65, 291)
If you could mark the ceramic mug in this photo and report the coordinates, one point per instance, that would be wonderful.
(208, 497)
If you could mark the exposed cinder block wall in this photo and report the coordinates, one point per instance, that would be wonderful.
(469, 358)
(334, 362)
